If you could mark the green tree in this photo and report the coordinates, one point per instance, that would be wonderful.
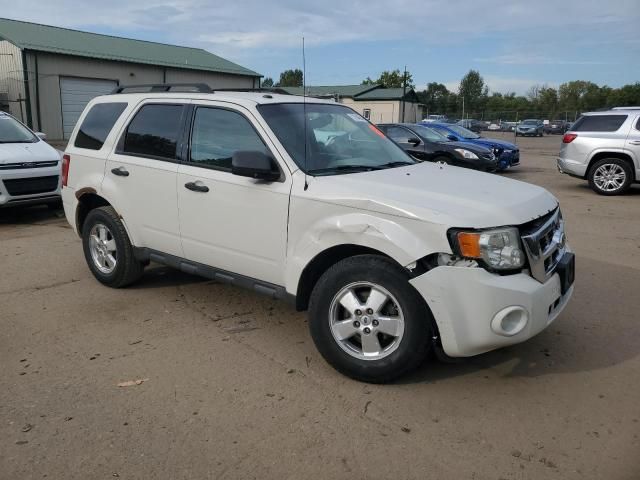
(473, 90)
(391, 79)
(267, 82)
(291, 78)
(548, 101)
(435, 98)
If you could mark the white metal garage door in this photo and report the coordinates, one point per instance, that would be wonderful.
(75, 93)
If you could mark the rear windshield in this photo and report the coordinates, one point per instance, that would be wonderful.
(598, 123)
(97, 124)
(12, 131)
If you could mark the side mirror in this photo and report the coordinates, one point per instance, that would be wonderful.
(415, 141)
(254, 164)
(41, 136)
(453, 138)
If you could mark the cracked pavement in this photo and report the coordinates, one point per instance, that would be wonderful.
(234, 387)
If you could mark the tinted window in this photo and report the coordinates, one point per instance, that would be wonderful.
(218, 134)
(154, 131)
(97, 124)
(398, 134)
(599, 123)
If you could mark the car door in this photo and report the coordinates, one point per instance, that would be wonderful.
(633, 144)
(230, 222)
(408, 140)
(140, 176)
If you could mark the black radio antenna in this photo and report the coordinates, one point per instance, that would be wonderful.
(304, 112)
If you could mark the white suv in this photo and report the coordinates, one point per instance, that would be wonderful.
(309, 202)
(604, 148)
(29, 167)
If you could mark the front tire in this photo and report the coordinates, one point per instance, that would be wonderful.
(367, 321)
(108, 250)
(610, 176)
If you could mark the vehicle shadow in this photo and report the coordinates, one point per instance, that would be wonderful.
(29, 215)
(159, 276)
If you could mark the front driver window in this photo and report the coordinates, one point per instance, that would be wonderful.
(218, 134)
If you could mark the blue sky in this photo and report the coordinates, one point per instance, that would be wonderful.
(514, 44)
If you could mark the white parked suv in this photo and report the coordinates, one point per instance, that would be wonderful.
(604, 148)
(309, 202)
(29, 167)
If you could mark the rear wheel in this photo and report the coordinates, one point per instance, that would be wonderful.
(107, 249)
(610, 176)
(367, 321)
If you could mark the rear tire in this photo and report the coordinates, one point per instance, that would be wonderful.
(610, 176)
(367, 321)
(108, 250)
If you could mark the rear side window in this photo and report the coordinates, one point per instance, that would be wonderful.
(598, 123)
(97, 124)
(154, 132)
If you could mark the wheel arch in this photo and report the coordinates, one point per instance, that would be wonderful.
(88, 199)
(611, 154)
(322, 262)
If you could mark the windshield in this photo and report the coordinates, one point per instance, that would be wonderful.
(338, 139)
(12, 131)
(529, 122)
(429, 134)
(463, 132)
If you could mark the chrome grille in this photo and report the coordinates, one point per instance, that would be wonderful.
(25, 165)
(545, 246)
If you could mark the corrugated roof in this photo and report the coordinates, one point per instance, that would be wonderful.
(388, 94)
(331, 90)
(45, 38)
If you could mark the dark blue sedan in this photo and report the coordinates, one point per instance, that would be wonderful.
(507, 153)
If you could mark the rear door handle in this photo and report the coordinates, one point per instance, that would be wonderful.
(634, 142)
(120, 171)
(196, 187)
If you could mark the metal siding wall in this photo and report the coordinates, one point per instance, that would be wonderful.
(51, 67)
(12, 79)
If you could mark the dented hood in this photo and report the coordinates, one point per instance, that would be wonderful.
(442, 194)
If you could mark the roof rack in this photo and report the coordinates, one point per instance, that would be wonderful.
(164, 87)
(189, 88)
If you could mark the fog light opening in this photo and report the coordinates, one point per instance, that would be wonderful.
(510, 321)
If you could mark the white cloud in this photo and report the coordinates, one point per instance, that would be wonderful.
(523, 58)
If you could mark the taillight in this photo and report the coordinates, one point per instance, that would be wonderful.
(569, 137)
(66, 162)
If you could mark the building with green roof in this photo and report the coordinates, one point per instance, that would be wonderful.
(375, 102)
(48, 74)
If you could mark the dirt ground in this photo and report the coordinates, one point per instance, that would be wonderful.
(234, 388)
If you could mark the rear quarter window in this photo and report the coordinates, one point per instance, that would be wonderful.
(97, 124)
(154, 131)
(598, 123)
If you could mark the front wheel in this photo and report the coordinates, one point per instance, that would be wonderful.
(610, 176)
(367, 321)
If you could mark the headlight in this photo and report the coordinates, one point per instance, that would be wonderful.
(466, 153)
(499, 249)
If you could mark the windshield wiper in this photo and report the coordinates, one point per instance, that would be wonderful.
(346, 169)
(400, 163)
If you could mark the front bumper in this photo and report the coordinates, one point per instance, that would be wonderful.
(571, 167)
(467, 303)
(33, 182)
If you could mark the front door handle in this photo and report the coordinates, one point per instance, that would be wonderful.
(120, 171)
(196, 187)
(634, 142)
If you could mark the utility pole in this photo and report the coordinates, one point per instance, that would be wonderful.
(404, 92)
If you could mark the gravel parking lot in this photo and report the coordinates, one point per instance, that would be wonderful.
(234, 388)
